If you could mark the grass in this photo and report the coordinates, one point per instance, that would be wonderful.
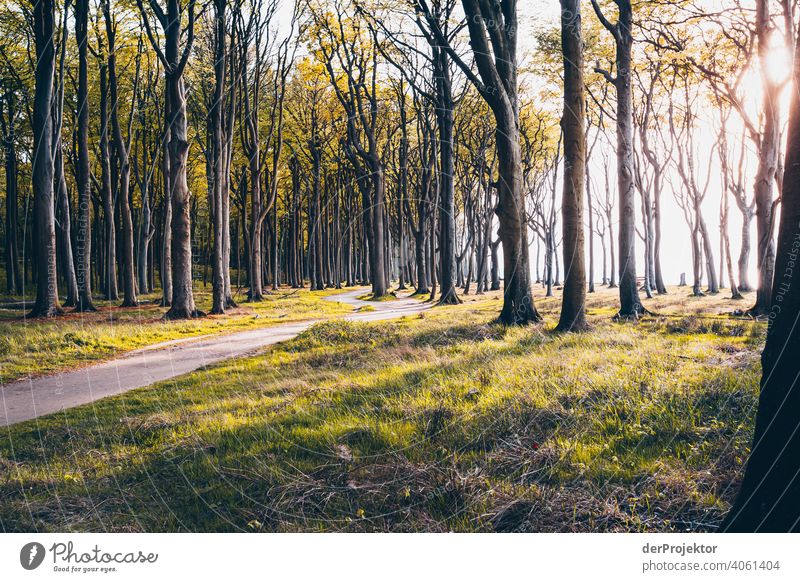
(34, 346)
(390, 296)
(444, 421)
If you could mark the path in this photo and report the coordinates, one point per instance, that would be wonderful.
(34, 397)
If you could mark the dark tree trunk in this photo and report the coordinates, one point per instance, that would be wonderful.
(46, 304)
(123, 166)
(166, 244)
(767, 500)
(84, 235)
(447, 218)
(65, 229)
(110, 234)
(8, 126)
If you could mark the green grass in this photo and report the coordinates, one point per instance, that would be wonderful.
(390, 296)
(35, 346)
(445, 421)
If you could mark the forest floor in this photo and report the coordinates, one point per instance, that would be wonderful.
(441, 421)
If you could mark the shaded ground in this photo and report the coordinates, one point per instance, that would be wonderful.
(440, 421)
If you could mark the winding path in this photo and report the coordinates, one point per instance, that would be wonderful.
(30, 398)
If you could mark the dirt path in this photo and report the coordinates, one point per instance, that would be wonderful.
(31, 398)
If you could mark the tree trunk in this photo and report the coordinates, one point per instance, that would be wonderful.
(218, 163)
(65, 228)
(447, 219)
(767, 500)
(110, 235)
(8, 124)
(573, 306)
(166, 246)
(630, 305)
(768, 154)
(518, 306)
(46, 304)
(84, 235)
(182, 306)
(124, 169)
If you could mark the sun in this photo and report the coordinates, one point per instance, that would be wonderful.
(778, 64)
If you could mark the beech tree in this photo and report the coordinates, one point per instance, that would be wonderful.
(174, 59)
(42, 20)
(84, 236)
(767, 499)
(573, 307)
(621, 31)
(493, 38)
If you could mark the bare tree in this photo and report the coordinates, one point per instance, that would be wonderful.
(630, 305)
(493, 37)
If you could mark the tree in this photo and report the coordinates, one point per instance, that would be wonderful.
(352, 68)
(573, 307)
(493, 37)
(84, 235)
(630, 305)
(8, 120)
(218, 160)
(122, 149)
(174, 60)
(42, 20)
(767, 499)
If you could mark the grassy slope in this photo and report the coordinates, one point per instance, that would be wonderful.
(441, 422)
(32, 347)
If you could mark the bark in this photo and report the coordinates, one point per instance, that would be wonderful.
(768, 159)
(8, 126)
(573, 306)
(174, 58)
(121, 145)
(65, 229)
(498, 86)
(630, 305)
(218, 162)
(447, 224)
(166, 244)
(63, 222)
(84, 235)
(495, 266)
(767, 500)
(46, 304)
(110, 234)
